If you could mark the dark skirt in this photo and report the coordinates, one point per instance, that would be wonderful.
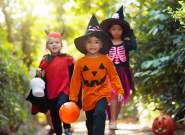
(39, 104)
(125, 75)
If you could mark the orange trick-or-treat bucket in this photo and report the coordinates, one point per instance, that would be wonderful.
(69, 112)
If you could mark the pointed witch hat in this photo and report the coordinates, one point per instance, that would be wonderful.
(93, 29)
(117, 18)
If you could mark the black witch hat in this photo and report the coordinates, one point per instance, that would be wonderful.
(93, 29)
(119, 14)
(117, 18)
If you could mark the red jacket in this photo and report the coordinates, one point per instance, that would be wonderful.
(57, 74)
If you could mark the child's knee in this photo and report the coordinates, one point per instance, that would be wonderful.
(101, 107)
(99, 112)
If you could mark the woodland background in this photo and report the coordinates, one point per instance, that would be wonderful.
(158, 63)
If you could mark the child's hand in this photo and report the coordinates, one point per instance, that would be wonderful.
(40, 73)
(75, 103)
(120, 97)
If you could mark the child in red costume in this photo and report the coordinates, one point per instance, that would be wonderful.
(55, 68)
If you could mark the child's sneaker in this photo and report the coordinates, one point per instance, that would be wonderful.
(112, 132)
(113, 126)
(51, 132)
(67, 131)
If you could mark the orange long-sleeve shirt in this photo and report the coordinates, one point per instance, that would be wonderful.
(95, 75)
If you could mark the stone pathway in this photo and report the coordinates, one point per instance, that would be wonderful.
(123, 129)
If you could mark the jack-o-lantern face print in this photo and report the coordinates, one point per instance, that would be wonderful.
(94, 76)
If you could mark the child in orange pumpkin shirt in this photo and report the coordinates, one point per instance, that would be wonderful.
(94, 71)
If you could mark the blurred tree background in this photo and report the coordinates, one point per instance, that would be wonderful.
(158, 63)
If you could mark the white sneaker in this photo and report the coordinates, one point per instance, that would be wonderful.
(113, 126)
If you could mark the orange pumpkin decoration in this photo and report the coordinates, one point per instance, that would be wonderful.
(163, 125)
(69, 112)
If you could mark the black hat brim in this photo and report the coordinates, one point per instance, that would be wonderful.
(81, 41)
(106, 24)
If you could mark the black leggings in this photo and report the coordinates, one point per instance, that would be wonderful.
(96, 118)
(54, 106)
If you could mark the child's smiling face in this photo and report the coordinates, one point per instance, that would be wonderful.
(93, 45)
(116, 31)
(54, 45)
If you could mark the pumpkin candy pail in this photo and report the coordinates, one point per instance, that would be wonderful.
(69, 112)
